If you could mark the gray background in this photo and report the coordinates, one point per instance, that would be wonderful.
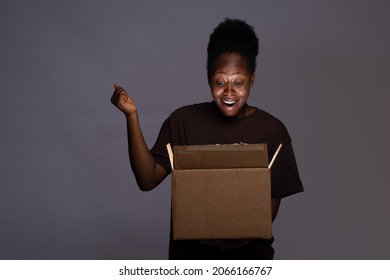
(66, 188)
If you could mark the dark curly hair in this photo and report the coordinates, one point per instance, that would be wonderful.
(232, 36)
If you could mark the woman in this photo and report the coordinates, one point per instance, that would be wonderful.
(231, 68)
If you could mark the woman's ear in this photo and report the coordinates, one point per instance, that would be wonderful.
(253, 78)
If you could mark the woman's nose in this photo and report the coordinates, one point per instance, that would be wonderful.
(229, 89)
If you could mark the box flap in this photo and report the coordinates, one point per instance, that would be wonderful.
(220, 156)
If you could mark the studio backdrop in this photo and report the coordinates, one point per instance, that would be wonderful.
(66, 187)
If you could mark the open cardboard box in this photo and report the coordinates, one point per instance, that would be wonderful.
(221, 191)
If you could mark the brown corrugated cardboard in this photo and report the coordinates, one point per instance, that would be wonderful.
(220, 156)
(221, 192)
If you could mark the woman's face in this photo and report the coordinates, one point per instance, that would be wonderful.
(231, 83)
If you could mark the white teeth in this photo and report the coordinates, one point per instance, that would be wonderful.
(229, 102)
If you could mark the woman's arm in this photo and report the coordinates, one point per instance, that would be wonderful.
(147, 172)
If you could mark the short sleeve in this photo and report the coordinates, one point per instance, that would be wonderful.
(159, 150)
(285, 177)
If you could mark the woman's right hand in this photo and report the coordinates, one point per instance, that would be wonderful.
(122, 101)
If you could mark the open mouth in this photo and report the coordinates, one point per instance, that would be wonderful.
(229, 102)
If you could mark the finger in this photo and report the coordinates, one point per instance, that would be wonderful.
(118, 89)
(120, 95)
(114, 99)
(116, 86)
(124, 95)
(117, 93)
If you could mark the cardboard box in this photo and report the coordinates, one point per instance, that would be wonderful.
(221, 192)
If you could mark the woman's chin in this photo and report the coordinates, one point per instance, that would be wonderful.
(230, 111)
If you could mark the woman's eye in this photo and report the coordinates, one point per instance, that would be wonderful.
(219, 84)
(238, 83)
